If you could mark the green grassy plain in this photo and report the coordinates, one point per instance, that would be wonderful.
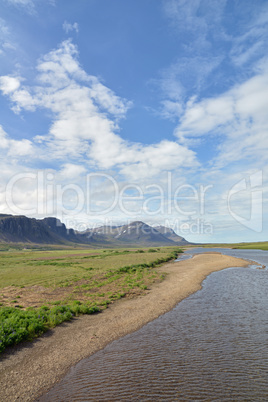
(41, 288)
(56, 268)
(257, 246)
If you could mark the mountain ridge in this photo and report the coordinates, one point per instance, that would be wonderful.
(50, 230)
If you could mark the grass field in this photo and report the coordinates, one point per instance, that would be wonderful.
(257, 245)
(40, 289)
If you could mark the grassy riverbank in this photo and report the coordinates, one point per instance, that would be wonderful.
(41, 289)
(30, 371)
(256, 246)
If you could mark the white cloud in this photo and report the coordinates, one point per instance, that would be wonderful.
(6, 42)
(71, 171)
(67, 27)
(4, 32)
(238, 117)
(86, 115)
(189, 17)
(3, 28)
(153, 159)
(9, 84)
(3, 140)
(21, 2)
(202, 117)
(242, 55)
(209, 44)
(187, 71)
(14, 148)
(198, 28)
(28, 5)
(171, 109)
(251, 44)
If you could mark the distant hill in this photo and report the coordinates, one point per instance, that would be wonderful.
(21, 229)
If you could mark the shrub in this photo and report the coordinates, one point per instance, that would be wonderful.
(18, 325)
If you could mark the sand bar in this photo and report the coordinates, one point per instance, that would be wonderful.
(28, 371)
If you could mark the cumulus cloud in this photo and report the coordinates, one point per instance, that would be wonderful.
(153, 159)
(86, 117)
(9, 84)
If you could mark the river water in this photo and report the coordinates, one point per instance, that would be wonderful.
(213, 346)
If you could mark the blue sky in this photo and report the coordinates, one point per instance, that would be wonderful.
(113, 111)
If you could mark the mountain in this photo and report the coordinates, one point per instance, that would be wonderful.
(21, 229)
(171, 235)
(136, 233)
(59, 229)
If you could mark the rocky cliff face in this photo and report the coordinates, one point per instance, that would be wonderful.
(23, 229)
(14, 229)
(59, 228)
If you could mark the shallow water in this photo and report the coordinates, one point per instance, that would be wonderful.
(213, 346)
(259, 256)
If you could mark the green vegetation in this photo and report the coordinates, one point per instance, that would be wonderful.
(55, 285)
(18, 325)
(257, 245)
(53, 268)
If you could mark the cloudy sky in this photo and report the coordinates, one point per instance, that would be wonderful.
(114, 111)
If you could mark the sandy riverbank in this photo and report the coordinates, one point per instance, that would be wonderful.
(27, 372)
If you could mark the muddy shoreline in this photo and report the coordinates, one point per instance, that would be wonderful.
(27, 371)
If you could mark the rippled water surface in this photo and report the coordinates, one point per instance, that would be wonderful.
(213, 346)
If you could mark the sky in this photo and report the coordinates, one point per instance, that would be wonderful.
(151, 110)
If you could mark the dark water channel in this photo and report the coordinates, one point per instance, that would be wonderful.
(213, 346)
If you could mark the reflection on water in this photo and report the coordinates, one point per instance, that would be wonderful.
(211, 347)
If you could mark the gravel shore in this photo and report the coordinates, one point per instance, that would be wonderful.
(29, 370)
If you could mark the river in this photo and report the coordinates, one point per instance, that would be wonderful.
(213, 346)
